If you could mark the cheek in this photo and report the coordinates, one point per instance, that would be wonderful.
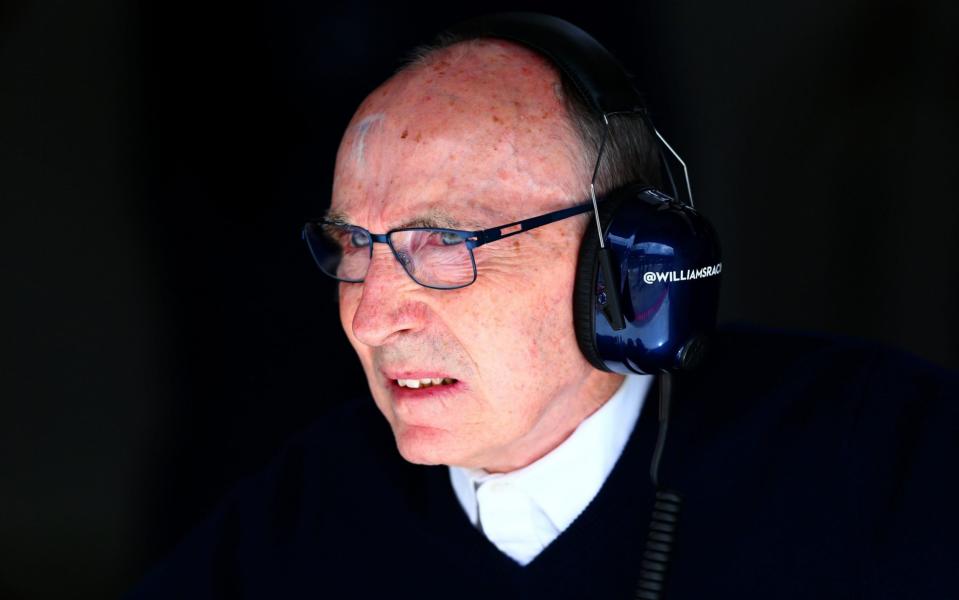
(524, 330)
(550, 341)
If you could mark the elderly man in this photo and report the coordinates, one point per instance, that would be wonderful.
(808, 466)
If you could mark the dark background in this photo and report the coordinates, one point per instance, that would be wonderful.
(164, 328)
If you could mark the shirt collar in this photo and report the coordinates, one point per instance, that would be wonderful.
(564, 481)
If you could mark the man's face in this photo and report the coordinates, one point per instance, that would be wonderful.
(475, 138)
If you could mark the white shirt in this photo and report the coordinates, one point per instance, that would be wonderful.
(523, 511)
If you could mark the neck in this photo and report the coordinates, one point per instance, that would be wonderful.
(558, 422)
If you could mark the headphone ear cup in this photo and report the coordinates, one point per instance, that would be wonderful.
(584, 287)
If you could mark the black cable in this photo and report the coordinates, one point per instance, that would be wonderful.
(665, 395)
(660, 541)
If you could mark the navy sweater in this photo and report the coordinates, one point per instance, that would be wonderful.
(810, 468)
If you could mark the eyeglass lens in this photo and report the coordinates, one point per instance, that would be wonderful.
(432, 257)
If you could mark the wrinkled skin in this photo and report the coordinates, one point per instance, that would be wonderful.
(476, 136)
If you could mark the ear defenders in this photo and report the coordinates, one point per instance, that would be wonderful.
(646, 293)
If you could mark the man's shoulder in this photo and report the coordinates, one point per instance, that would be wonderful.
(767, 374)
(827, 450)
(775, 356)
(320, 491)
(754, 345)
(352, 426)
(319, 469)
(344, 447)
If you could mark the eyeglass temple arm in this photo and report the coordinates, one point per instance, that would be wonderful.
(504, 231)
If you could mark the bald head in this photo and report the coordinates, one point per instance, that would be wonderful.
(476, 118)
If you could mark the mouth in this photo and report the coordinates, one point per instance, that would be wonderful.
(423, 383)
(422, 386)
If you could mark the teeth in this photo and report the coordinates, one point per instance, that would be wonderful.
(426, 382)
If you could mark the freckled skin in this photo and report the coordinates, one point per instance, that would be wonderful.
(509, 336)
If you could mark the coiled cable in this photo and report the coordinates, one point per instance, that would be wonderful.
(661, 539)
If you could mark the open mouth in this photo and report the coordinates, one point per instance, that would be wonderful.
(424, 383)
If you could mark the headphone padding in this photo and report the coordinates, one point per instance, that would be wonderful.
(584, 286)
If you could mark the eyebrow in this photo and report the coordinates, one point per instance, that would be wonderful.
(430, 219)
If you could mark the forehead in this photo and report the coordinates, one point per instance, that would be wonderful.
(477, 135)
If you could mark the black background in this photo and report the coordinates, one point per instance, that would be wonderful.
(164, 328)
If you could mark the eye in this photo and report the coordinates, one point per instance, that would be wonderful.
(359, 238)
(448, 238)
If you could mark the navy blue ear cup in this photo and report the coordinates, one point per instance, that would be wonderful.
(584, 286)
(668, 268)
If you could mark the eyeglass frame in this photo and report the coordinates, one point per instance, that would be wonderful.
(472, 239)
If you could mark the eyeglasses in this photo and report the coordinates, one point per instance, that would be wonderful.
(433, 257)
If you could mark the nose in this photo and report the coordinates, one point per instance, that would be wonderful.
(387, 307)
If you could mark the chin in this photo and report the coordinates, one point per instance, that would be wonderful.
(426, 445)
